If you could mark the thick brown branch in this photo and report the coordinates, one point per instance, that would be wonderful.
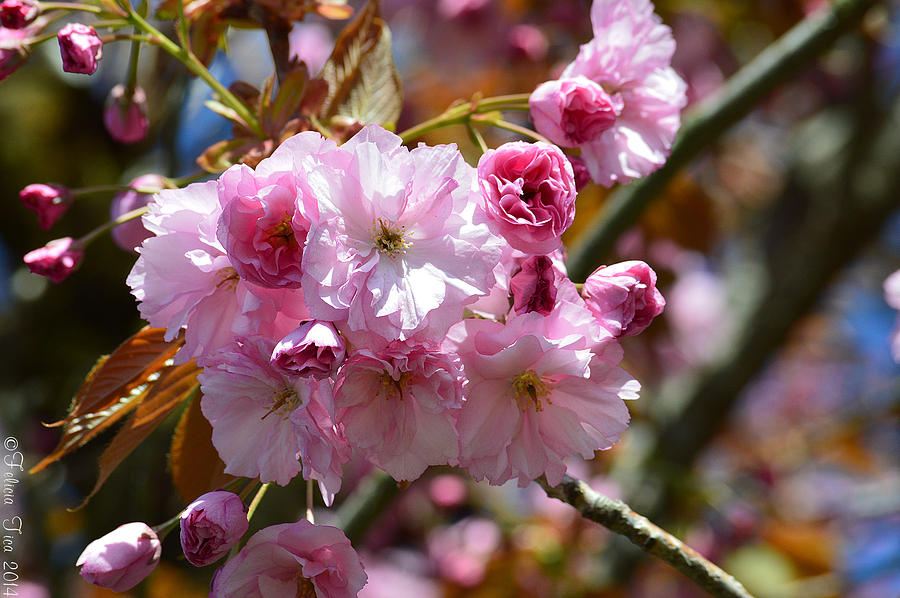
(619, 518)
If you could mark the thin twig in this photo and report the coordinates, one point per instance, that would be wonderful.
(619, 518)
(738, 96)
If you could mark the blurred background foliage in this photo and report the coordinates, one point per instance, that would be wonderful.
(767, 434)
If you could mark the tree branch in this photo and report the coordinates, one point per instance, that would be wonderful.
(734, 100)
(619, 518)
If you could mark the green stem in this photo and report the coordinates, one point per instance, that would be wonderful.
(136, 213)
(524, 131)
(136, 39)
(461, 113)
(735, 99)
(195, 66)
(133, 68)
(47, 6)
(362, 508)
(115, 188)
(162, 530)
(256, 500)
(476, 137)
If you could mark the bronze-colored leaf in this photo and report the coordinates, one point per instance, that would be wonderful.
(220, 156)
(195, 464)
(363, 84)
(160, 400)
(114, 386)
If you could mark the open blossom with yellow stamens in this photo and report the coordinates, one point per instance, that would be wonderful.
(539, 391)
(270, 422)
(399, 405)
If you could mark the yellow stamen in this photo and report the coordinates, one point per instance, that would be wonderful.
(284, 401)
(389, 239)
(528, 386)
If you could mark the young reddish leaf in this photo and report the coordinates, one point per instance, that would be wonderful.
(333, 9)
(113, 387)
(166, 393)
(363, 84)
(195, 464)
(219, 156)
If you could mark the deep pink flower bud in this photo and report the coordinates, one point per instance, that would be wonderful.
(57, 259)
(16, 14)
(573, 111)
(582, 174)
(126, 117)
(131, 234)
(13, 50)
(48, 201)
(623, 297)
(314, 349)
(80, 47)
(211, 526)
(533, 288)
(122, 558)
(529, 194)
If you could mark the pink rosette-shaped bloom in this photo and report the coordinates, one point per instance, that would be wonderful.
(57, 259)
(630, 59)
(539, 391)
(398, 407)
(80, 48)
(623, 297)
(269, 422)
(292, 559)
(314, 349)
(122, 558)
(211, 525)
(184, 279)
(16, 14)
(529, 194)
(395, 252)
(125, 117)
(265, 214)
(570, 112)
(49, 202)
(129, 235)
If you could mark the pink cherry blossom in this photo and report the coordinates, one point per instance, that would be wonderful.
(265, 213)
(629, 57)
(80, 48)
(533, 288)
(623, 297)
(399, 406)
(395, 252)
(122, 558)
(314, 349)
(16, 14)
(539, 391)
(211, 525)
(292, 559)
(57, 259)
(529, 194)
(184, 279)
(571, 112)
(49, 202)
(246, 399)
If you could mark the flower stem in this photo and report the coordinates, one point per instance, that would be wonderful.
(476, 137)
(619, 518)
(774, 65)
(162, 530)
(309, 502)
(256, 500)
(47, 6)
(194, 65)
(136, 213)
(461, 113)
(502, 124)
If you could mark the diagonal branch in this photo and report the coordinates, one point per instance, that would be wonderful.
(737, 97)
(619, 518)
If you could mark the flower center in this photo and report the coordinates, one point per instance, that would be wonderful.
(282, 234)
(284, 401)
(393, 389)
(529, 389)
(389, 239)
(305, 587)
(228, 277)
